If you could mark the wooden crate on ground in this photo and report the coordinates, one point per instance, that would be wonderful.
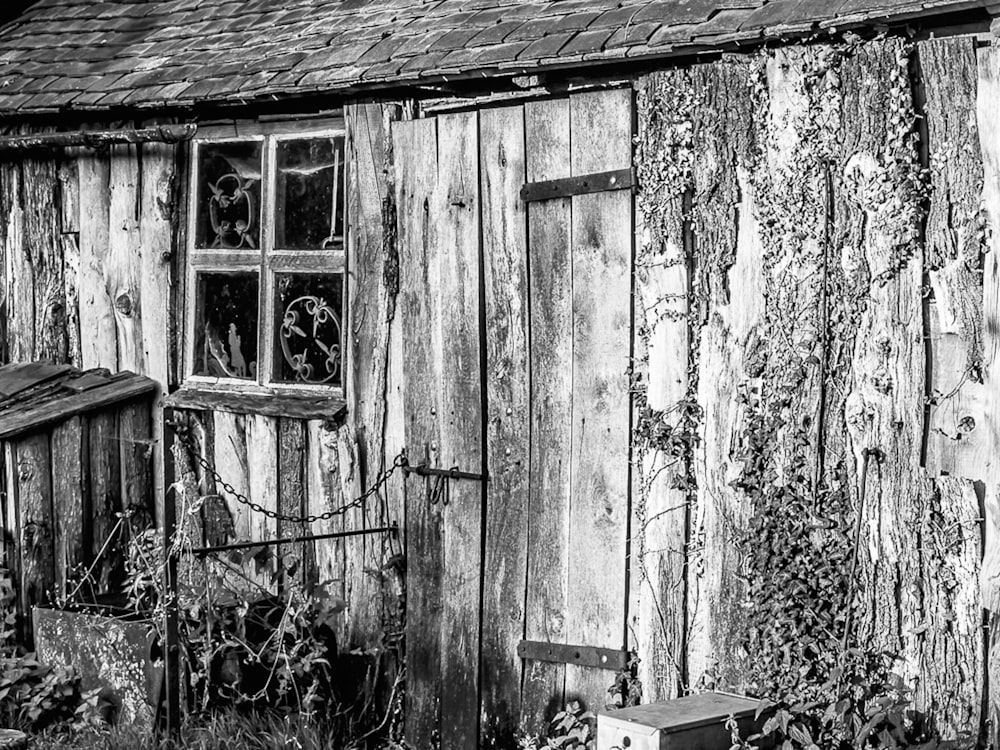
(75, 461)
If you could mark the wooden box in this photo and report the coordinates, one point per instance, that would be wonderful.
(695, 722)
(75, 453)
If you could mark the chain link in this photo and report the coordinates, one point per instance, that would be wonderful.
(181, 431)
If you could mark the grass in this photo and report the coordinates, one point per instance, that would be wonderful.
(221, 731)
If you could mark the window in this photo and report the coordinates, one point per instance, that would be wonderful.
(266, 265)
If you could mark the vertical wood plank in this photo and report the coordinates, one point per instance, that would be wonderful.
(155, 243)
(105, 494)
(71, 281)
(658, 543)
(262, 476)
(372, 306)
(33, 495)
(361, 554)
(508, 451)
(988, 117)
(952, 660)
(954, 243)
(292, 501)
(123, 263)
(456, 212)
(416, 180)
(99, 346)
(884, 406)
(547, 146)
(69, 228)
(69, 448)
(229, 443)
(601, 139)
(43, 250)
(69, 191)
(20, 274)
(135, 443)
(12, 531)
(322, 494)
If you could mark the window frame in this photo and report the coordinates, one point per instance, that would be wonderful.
(267, 261)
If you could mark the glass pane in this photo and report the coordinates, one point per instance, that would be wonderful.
(228, 210)
(226, 333)
(309, 197)
(307, 311)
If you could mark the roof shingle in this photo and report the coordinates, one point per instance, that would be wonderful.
(87, 56)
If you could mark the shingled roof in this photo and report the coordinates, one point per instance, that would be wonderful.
(87, 56)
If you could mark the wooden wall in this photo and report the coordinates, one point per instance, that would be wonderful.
(841, 274)
(87, 241)
(785, 222)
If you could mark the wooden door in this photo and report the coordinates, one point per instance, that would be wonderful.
(517, 336)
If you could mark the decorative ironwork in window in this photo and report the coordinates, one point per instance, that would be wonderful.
(310, 330)
(266, 258)
(229, 195)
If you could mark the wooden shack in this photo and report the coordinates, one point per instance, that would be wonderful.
(682, 288)
(77, 472)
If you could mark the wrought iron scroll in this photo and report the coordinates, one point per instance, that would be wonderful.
(308, 323)
(231, 212)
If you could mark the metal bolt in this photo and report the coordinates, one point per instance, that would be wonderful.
(509, 411)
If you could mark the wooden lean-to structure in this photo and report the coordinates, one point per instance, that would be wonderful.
(625, 265)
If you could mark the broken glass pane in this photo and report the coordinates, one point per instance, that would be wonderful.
(226, 343)
(228, 210)
(308, 328)
(309, 199)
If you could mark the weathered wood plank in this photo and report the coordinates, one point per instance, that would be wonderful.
(71, 282)
(229, 457)
(105, 494)
(954, 243)
(374, 270)
(322, 494)
(952, 655)
(508, 451)
(884, 407)
(124, 388)
(362, 558)
(12, 532)
(33, 495)
(988, 118)
(70, 451)
(661, 342)
(416, 183)
(156, 239)
(456, 212)
(602, 224)
(299, 407)
(43, 249)
(262, 483)
(292, 502)
(136, 446)
(547, 146)
(69, 191)
(122, 268)
(99, 346)
(20, 274)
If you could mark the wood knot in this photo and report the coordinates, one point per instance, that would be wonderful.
(882, 382)
(966, 424)
(124, 304)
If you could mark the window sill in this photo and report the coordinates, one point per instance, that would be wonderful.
(304, 406)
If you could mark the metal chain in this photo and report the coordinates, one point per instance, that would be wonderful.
(399, 462)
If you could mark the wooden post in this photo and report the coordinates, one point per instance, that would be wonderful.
(171, 651)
